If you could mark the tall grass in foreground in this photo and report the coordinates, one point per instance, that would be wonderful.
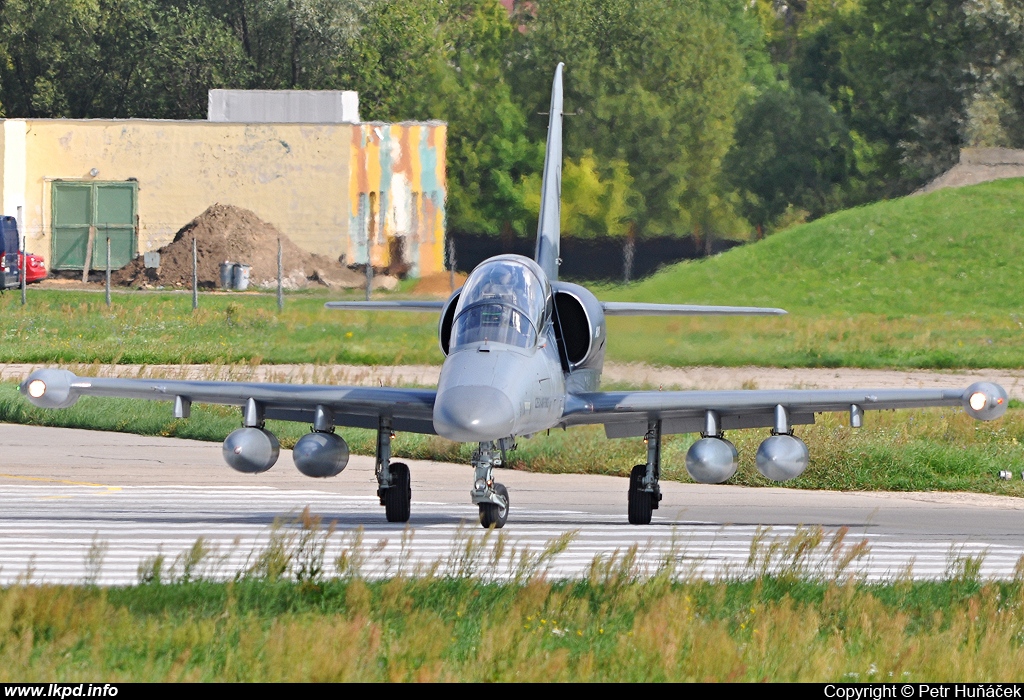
(280, 620)
(935, 449)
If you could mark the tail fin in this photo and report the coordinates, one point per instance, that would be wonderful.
(548, 224)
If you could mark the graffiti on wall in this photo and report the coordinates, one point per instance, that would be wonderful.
(397, 196)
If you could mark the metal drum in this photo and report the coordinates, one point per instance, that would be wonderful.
(240, 277)
(227, 271)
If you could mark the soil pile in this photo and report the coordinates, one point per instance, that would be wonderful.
(224, 232)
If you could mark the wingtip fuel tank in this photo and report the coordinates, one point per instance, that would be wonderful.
(985, 401)
(50, 388)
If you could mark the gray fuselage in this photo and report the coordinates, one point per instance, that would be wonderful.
(488, 391)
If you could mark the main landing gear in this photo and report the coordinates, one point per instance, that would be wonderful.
(491, 497)
(644, 490)
(394, 487)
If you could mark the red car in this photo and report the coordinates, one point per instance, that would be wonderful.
(36, 269)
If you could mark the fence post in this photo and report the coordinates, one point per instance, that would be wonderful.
(24, 258)
(195, 275)
(108, 272)
(280, 276)
(369, 273)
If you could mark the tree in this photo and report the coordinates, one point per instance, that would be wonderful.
(650, 84)
(193, 54)
(427, 59)
(898, 72)
(112, 58)
(290, 44)
(792, 150)
(994, 114)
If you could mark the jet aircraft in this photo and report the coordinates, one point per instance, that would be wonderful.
(523, 354)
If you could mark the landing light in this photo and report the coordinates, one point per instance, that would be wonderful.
(36, 388)
(977, 400)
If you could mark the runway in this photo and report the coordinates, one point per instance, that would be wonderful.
(83, 506)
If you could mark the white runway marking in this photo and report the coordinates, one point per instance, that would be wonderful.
(56, 533)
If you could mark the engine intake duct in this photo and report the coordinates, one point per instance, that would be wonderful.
(579, 325)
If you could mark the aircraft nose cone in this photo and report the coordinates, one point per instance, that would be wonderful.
(473, 414)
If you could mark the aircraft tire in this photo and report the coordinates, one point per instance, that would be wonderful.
(492, 515)
(398, 498)
(641, 503)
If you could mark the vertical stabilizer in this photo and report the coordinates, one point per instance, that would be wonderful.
(548, 231)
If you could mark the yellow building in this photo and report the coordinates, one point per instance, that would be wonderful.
(352, 190)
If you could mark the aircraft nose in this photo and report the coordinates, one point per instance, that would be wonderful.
(473, 414)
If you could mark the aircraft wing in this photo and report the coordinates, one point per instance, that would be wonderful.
(629, 308)
(362, 407)
(386, 305)
(625, 413)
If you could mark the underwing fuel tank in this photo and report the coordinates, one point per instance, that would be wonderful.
(251, 450)
(320, 455)
(782, 457)
(712, 460)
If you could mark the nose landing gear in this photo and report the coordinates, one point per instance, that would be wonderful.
(491, 497)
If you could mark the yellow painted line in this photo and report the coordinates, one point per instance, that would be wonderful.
(59, 481)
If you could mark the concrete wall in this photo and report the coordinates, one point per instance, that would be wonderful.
(979, 165)
(299, 177)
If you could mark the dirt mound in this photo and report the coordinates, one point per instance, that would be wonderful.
(225, 232)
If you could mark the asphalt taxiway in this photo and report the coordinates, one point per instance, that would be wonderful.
(86, 505)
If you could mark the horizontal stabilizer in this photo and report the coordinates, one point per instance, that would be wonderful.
(627, 308)
(386, 305)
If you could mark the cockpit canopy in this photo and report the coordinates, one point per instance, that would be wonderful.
(505, 300)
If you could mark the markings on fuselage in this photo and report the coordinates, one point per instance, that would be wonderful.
(47, 535)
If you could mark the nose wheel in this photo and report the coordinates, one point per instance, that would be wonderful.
(490, 497)
(492, 514)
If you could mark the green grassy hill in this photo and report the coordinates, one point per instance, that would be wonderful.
(956, 250)
(928, 281)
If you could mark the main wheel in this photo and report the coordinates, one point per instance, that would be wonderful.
(492, 515)
(398, 498)
(641, 503)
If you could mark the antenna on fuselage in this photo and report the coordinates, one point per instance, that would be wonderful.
(548, 223)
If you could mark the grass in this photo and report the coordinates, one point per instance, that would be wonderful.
(935, 449)
(929, 281)
(161, 328)
(276, 623)
(952, 251)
